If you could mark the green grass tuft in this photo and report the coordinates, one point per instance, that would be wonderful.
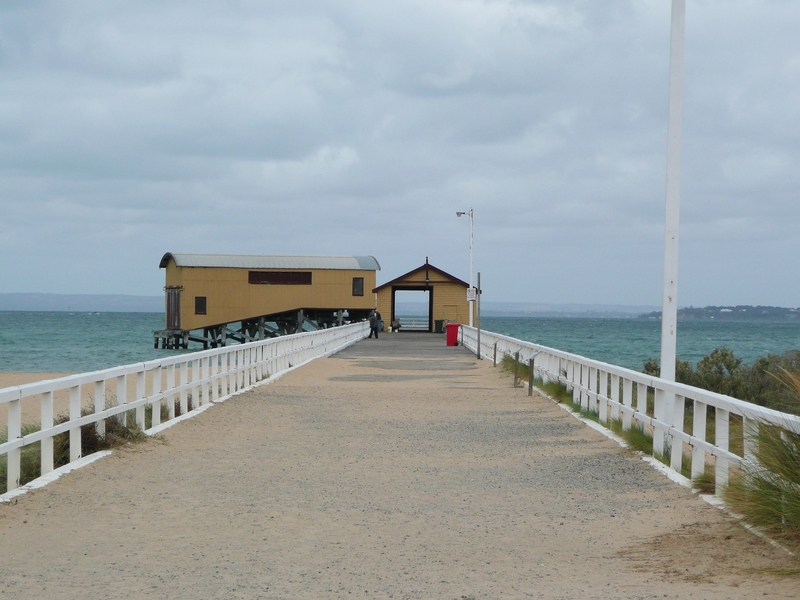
(115, 435)
(638, 439)
(554, 389)
(705, 483)
(767, 495)
(583, 412)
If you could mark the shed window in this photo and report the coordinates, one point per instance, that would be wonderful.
(358, 286)
(199, 305)
(280, 277)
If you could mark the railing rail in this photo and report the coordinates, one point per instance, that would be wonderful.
(661, 406)
(200, 377)
(414, 323)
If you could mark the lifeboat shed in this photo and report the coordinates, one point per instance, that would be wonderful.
(213, 298)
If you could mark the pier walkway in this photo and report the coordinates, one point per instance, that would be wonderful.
(398, 468)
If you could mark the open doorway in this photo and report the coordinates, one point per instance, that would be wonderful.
(412, 308)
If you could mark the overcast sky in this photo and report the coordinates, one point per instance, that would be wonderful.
(132, 128)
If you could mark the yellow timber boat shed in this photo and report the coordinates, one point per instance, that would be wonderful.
(210, 298)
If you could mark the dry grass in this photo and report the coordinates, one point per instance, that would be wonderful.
(767, 492)
(116, 434)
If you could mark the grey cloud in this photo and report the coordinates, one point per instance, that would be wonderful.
(132, 128)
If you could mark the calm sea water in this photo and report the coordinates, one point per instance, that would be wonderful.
(629, 342)
(63, 342)
(76, 342)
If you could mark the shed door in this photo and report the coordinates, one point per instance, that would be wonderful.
(173, 308)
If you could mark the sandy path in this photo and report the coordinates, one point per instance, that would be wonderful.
(396, 469)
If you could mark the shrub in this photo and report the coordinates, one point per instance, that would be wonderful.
(722, 371)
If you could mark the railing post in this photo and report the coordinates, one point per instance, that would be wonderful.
(591, 398)
(494, 360)
(583, 394)
(171, 389)
(240, 370)
(571, 378)
(721, 441)
(602, 396)
(614, 397)
(660, 401)
(213, 370)
(253, 366)
(641, 398)
(140, 393)
(224, 377)
(230, 371)
(530, 376)
(516, 368)
(183, 379)
(155, 415)
(122, 398)
(676, 459)
(205, 379)
(13, 457)
(545, 370)
(750, 441)
(74, 414)
(100, 405)
(198, 381)
(699, 432)
(260, 362)
(627, 401)
(47, 442)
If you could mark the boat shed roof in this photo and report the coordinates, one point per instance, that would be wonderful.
(237, 261)
(427, 267)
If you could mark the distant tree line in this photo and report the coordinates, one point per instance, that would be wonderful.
(722, 371)
(731, 312)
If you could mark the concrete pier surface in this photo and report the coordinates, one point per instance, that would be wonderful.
(398, 468)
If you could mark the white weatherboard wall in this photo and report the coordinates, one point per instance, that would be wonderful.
(207, 376)
(618, 393)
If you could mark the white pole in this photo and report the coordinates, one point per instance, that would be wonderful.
(478, 315)
(669, 311)
(471, 304)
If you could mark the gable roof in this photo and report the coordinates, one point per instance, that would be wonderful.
(235, 261)
(426, 265)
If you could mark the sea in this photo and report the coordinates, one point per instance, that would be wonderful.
(77, 342)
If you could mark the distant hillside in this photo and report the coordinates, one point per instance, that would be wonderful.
(731, 313)
(530, 309)
(81, 303)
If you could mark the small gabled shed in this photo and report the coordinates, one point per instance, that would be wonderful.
(447, 295)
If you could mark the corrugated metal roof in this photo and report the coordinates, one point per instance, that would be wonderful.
(233, 261)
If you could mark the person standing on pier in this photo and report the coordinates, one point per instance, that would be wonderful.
(374, 319)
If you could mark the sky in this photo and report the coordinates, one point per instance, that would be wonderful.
(129, 129)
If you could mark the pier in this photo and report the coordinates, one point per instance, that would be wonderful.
(395, 468)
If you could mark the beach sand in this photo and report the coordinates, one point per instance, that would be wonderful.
(11, 379)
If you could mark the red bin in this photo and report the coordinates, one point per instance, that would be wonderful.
(452, 334)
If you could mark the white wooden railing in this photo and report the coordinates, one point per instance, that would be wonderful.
(618, 393)
(202, 377)
(414, 323)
